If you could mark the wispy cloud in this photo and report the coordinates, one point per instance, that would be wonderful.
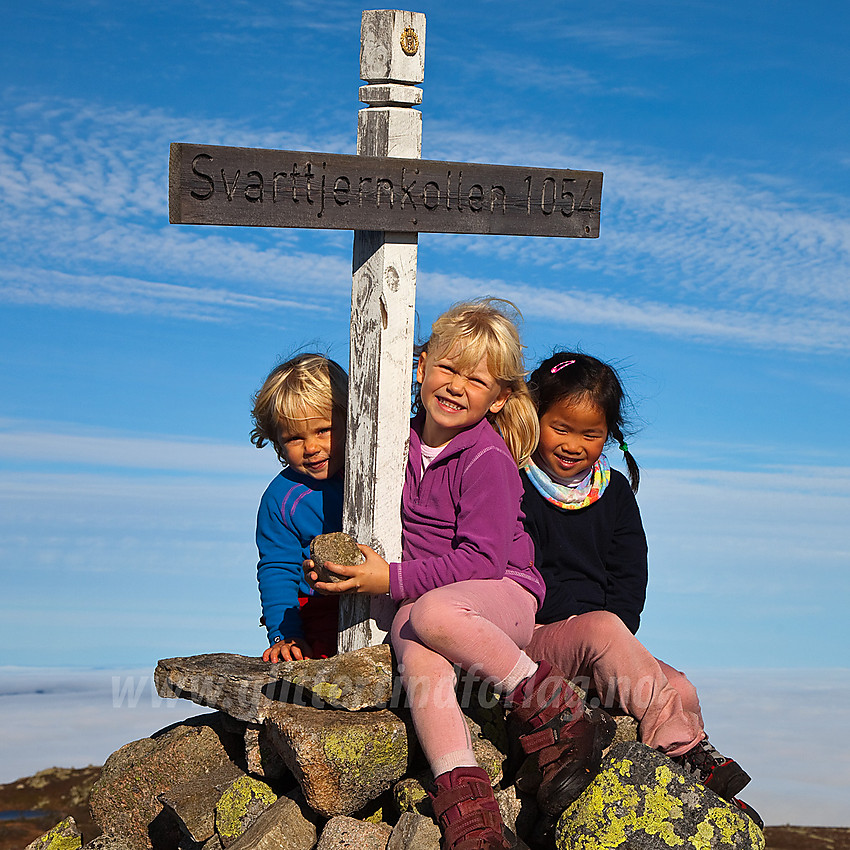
(576, 306)
(53, 444)
(115, 294)
(734, 259)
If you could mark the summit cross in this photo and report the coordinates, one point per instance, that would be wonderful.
(387, 195)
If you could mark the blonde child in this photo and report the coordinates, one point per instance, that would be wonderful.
(301, 410)
(591, 550)
(467, 586)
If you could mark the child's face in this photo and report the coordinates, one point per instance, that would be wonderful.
(572, 436)
(455, 400)
(314, 446)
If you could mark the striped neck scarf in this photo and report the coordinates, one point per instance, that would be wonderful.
(571, 498)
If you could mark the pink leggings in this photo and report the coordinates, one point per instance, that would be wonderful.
(596, 648)
(480, 625)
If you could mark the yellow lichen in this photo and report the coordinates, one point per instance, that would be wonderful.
(703, 837)
(328, 691)
(352, 749)
(612, 810)
(376, 817)
(234, 807)
(729, 822)
(58, 838)
(409, 795)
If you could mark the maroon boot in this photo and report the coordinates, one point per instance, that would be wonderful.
(469, 814)
(562, 738)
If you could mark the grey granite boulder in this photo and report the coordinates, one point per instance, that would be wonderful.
(344, 833)
(285, 825)
(245, 687)
(640, 800)
(107, 842)
(519, 811)
(261, 756)
(125, 800)
(414, 832)
(342, 760)
(193, 803)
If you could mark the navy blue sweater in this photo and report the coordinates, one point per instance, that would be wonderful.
(592, 559)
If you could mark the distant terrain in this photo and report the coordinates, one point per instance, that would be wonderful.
(60, 791)
(57, 792)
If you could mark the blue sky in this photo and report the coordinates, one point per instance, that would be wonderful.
(129, 347)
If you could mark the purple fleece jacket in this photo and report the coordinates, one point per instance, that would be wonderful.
(462, 519)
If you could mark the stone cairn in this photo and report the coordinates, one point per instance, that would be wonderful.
(322, 754)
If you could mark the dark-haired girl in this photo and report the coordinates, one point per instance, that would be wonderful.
(591, 549)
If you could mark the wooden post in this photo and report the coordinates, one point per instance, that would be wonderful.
(386, 185)
(392, 60)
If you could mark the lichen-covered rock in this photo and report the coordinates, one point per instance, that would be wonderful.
(482, 706)
(640, 800)
(287, 824)
(63, 836)
(125, 800)
(345, 833)
(245, 688)
(241, 803)
(342, 760)
(193, 803)
(336, 547)
(410, 795)
(362, 679)
(414, 832)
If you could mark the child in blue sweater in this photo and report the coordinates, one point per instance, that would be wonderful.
(301, 410)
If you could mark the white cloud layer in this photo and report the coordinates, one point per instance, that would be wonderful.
(781, 725)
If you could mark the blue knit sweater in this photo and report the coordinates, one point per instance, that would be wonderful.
(293, 510)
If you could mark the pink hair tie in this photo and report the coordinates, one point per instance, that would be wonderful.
(558, 366)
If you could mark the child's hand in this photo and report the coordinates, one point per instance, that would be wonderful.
(372, 576)
(293, 649)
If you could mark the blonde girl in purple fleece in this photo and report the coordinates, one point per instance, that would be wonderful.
(467, 586)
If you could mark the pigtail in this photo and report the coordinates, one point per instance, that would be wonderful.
(631, 463)
(518, 425)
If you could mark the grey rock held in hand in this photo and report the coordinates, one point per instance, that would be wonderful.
(338, 548)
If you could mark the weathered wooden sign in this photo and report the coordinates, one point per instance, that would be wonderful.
(271, 188)
(386, 195)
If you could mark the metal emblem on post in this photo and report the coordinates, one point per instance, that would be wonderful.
(409, 41)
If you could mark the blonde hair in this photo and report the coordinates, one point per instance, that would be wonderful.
(486, 327)
(294, 391)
